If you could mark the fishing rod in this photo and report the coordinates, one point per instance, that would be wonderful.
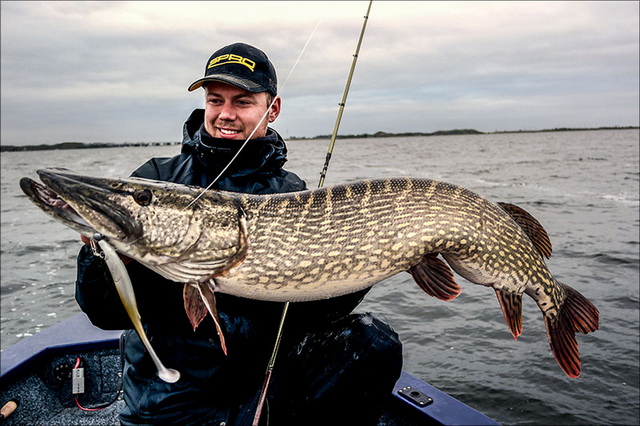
(343, 102)
(323, 174)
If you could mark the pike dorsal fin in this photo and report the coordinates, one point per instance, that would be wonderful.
(435, 277)
(530, 225)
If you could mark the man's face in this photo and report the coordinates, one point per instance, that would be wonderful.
(233, 113)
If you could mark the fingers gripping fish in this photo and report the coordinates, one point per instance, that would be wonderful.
(324, 243)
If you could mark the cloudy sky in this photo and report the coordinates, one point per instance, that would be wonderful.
(119, 71)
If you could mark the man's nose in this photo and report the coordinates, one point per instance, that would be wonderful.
(227, 112)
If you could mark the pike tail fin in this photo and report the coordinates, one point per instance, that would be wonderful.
(576, 314)
(435, 277)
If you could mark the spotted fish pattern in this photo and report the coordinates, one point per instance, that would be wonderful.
(324, 243)
(327, 242)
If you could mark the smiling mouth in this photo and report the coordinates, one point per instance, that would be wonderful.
(227, 132)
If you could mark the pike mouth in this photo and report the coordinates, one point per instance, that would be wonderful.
(80, 205)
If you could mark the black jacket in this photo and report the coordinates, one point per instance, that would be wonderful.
(249, 326)
(257, 170)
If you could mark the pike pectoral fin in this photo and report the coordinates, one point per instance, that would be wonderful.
(435, 277)
(199, 299)
(576, 314)
(193, 305)
(530, 225)
(511, 304)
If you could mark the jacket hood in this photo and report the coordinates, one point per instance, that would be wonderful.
(258, 155)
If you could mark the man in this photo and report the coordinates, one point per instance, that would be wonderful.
(333, 366)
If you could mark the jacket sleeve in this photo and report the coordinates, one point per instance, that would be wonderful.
(96, 294)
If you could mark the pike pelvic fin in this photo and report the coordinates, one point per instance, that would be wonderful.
(435, 277)
(576, 314)
(199, 299)
(511, 304)
(530, 225)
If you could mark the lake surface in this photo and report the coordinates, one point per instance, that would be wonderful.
(582, 186)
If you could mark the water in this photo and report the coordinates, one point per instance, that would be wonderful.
(582, 186)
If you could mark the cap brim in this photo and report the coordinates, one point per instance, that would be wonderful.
(242, 83)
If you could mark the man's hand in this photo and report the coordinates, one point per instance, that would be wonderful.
(124, 258)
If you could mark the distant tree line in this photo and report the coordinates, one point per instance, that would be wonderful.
(80, 145)
(84, 145)
(460, 132)
(390, 135)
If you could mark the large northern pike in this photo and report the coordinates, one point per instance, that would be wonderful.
(324, 243)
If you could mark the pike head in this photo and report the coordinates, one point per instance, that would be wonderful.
(154, 222)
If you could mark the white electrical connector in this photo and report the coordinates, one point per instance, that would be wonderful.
(77, 380)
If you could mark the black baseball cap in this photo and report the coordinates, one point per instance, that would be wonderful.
(243, 66)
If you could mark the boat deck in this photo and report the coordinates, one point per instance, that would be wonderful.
(37, 372)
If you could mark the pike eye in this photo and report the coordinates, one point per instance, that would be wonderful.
(142, 197)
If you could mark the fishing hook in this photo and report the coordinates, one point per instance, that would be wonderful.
(93, 244)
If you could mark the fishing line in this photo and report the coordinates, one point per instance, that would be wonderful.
(266, 113)
(285, 309)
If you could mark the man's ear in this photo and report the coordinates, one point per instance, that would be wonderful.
(275, 109)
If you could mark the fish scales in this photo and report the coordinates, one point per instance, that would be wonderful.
(324, 243)
(345, 238)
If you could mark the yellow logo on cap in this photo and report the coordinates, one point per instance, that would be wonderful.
(230, 58)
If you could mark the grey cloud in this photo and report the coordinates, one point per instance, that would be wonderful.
(119, 70)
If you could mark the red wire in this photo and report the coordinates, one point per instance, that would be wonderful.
(86, 409)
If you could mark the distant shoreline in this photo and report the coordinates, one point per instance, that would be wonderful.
(380, 134)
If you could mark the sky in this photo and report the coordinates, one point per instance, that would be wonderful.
(119, 71)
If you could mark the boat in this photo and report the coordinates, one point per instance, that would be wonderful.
(70, 374)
